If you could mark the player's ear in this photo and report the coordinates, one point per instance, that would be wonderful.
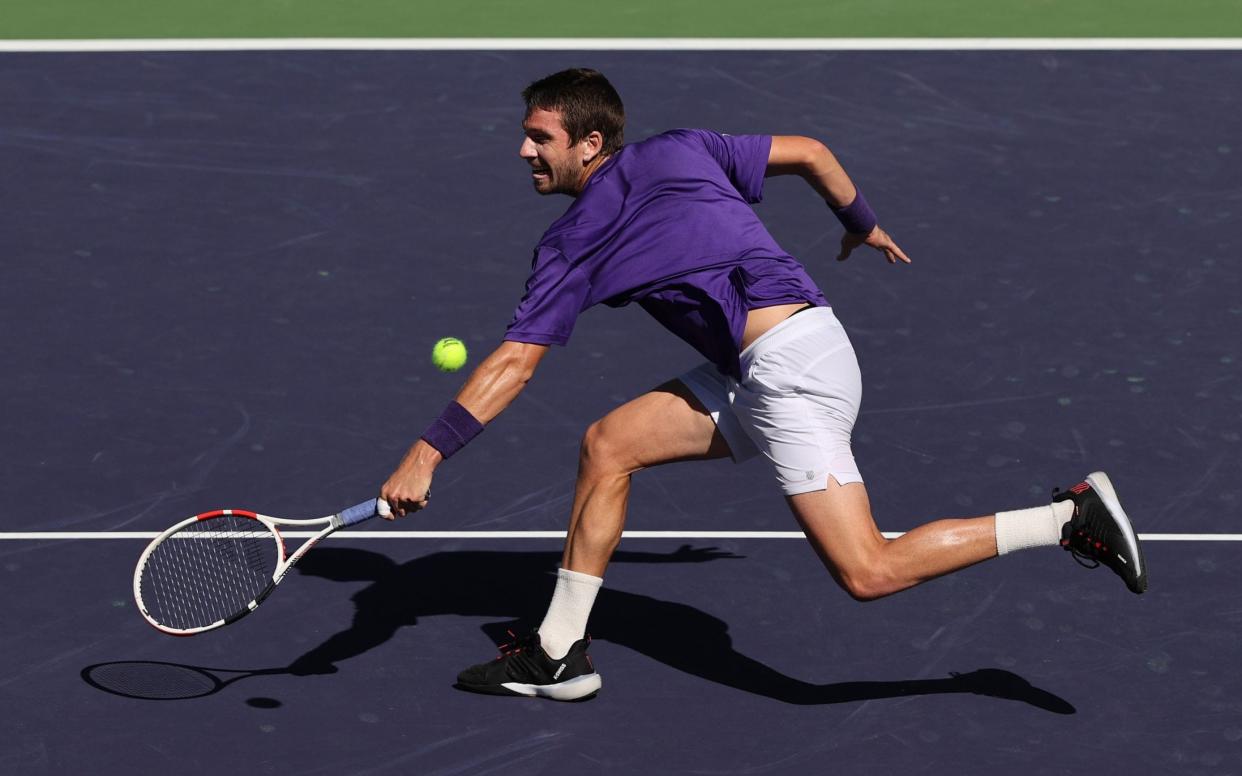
(592, 144)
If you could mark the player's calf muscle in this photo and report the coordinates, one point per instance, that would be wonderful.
(596, 539)
(600, 498)
(925, 553)
(594, 532)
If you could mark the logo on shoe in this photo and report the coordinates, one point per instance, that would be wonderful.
(557, 675)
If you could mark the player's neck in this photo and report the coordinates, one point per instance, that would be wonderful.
(588, 171)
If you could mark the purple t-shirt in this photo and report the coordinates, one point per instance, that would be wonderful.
(666, 223)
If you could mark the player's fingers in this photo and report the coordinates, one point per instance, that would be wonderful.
(888, 248)
(424, 501)
(894, 253)
(417, 503)
(881, 241)
(402, 506)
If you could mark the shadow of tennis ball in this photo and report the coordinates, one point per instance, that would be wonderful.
(264, 703)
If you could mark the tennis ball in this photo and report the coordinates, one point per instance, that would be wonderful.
(449, 354)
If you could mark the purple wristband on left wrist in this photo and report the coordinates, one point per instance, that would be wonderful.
(857, 217)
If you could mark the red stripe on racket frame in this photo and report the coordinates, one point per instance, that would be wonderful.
(222, 512)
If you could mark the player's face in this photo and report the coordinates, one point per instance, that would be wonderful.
(556, 164)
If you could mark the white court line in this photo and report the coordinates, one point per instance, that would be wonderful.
(623, 44)
(148, 535)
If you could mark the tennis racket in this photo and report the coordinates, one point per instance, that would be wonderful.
(215, 568)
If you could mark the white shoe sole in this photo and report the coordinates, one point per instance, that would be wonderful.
(570, 690)
(1103, 487)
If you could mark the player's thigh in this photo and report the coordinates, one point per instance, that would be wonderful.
(838, 523)
(666, 424)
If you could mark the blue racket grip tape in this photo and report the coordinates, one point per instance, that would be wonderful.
(365, 511)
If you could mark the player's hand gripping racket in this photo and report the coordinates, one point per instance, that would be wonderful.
(215, 568)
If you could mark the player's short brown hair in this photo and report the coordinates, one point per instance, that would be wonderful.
(586, 102)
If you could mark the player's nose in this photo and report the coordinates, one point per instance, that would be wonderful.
(527, 149)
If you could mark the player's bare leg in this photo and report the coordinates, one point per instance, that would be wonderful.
(663, 426)
(1087, 519)
(839, 525)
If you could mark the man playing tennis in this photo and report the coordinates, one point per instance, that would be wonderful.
(667, 223)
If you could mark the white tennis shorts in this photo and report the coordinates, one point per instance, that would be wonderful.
(796, 403)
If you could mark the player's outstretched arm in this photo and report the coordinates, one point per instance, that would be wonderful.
(498, 380)
(491, 387)
(813, 162)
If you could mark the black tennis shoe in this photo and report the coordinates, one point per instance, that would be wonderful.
(1100, 532)
(523, 668)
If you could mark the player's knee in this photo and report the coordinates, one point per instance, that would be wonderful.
(864, 572)
(863, 590)
(601, 454)
(867, 582)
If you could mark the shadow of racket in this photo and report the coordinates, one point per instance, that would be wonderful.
(151, 680)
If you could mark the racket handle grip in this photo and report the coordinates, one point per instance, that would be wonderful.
(365, 511)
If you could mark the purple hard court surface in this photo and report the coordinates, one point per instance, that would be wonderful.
(198, 246)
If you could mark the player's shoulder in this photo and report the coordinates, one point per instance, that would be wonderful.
(708, 141)
(684, 136)
(671, 143)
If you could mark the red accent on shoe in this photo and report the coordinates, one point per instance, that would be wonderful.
(510, 648)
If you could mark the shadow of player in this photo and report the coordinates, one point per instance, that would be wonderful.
(517, 585)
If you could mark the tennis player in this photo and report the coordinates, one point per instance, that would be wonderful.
(667, 223)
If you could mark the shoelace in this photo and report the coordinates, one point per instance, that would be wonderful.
(1079, 539)
(1082, 559)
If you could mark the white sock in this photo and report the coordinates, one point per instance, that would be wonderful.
(1037, 527)
(567, 615)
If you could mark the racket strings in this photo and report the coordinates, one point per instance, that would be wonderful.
(210, 570)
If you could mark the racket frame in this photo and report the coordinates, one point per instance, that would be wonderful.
(331, 524)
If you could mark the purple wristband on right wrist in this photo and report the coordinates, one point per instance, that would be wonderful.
(452, 430)
(857, 217)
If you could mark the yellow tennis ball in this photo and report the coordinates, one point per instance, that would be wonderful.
(449, 354)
